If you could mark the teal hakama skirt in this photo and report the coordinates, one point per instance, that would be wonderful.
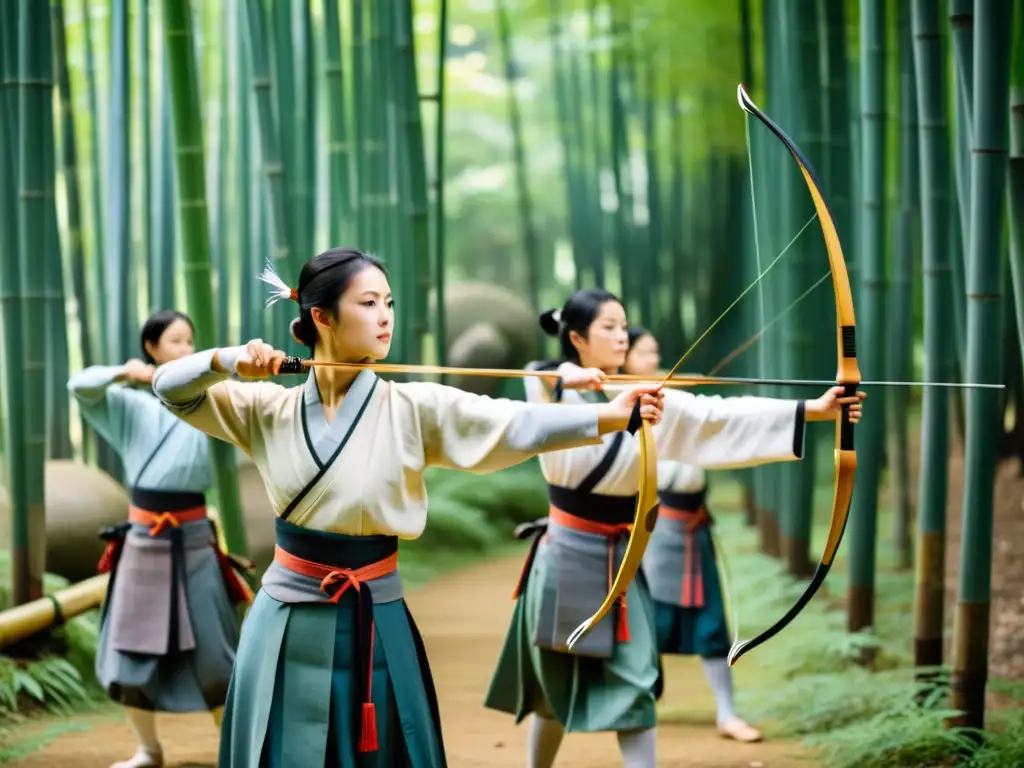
(682, 569)
(584, 693)
(298, 693)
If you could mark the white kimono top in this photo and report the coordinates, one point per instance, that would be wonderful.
(707, 432)
(362, 473)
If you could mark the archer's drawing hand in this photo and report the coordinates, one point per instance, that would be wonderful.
(830, 405)
(574, 377)
(137, 372)
(258, 360)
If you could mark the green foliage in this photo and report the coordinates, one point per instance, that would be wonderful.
(472, 516)
(55, 674)
(811, 681)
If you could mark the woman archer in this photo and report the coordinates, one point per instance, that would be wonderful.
(169, 629)
(680, 566)
(609, 680)
(331, 669)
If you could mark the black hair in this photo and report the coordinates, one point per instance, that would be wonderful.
(155, 326)
(322, 281)
(636, 332)
(578, 312)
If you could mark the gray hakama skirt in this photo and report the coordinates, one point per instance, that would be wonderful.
(609, 681)
(682, 571)
(323, 683)
(169, 629)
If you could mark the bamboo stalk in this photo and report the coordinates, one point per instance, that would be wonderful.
(11, 312)
(1015, 172)
(35, 98)
(122, 324)
(162, 262)
(416, 213)
(993, 25)
(871, 315)
(57, 415)
(340, 147)
(904, 266)
(440, 329)
(72, 205)
(247, 254)
(270, 153)
(195, 235)
(144, 202)
(97, 256)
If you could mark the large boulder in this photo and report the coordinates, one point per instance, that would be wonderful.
(488, 326)
(80, 501)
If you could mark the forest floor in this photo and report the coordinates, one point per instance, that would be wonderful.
(463, 638)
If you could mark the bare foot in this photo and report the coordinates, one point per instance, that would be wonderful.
(737, 728)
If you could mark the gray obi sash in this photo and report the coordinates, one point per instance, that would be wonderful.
(674, 560)
(149, 561)
(581, 544)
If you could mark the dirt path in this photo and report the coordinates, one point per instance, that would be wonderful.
(463, 619)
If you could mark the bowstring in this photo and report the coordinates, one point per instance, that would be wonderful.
(749, 342)
(748, 289)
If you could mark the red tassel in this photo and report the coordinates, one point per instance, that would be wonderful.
(107, 560)
(368, 737)
(622, 633)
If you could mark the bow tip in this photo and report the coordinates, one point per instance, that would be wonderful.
(578, 634)
(735, 652)
(742, 97)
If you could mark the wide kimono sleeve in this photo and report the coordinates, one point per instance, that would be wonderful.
(107, 405)
(213, 402)
(715, 432)
(480, 434)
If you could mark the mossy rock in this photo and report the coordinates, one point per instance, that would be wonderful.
(481, 346)
(80, 501)
(508, 338)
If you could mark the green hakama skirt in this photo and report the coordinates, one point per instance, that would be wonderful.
(583, 693)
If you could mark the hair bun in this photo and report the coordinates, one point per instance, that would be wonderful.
(298, 329)
(551, 321)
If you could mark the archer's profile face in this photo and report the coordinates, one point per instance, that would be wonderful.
(364, 319)
(607, 339)
(175, 342)
(644, 358)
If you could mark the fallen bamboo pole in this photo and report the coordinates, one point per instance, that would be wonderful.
(64, 604)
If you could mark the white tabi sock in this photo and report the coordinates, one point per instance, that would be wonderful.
(720, 678)
(639, 748)
(542, 743)
(149, 754)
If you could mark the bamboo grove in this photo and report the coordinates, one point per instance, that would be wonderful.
(158, 154)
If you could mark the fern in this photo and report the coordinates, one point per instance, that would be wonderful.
(1004, 745)
(908, 737)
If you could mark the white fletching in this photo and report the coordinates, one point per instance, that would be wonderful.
(271, 278)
